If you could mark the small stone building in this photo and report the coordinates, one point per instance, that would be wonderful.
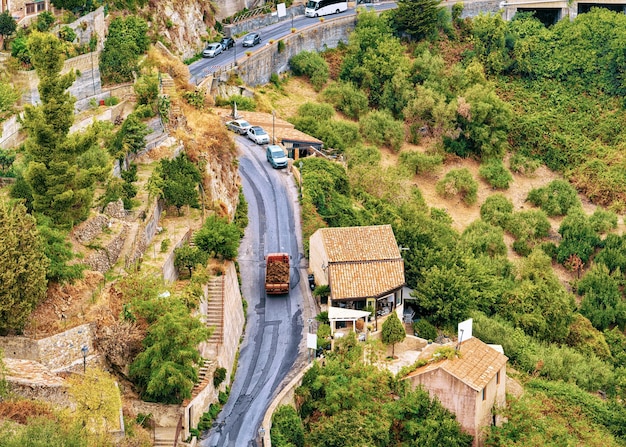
(361, 265)
(23, 8)
(469, 385)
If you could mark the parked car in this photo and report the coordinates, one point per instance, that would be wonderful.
(239, 126)
(212, 49)
(276, 156)
(258, 135)
(227, 42)
(251, 39)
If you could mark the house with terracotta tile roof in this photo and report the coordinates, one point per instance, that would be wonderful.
(361, 265)
(469, 385)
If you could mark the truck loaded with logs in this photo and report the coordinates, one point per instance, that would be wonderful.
(276, 273)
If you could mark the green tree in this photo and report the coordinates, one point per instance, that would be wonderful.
(417, 18)
(130, 139)
(44, 22)
(177, 181)
(189, 257)
(312, 65)
(539, 304)
(484, 120)
(380, 128)
(287, 429)
(167, 369)
(59, 252)
(61, 188)
(23, 272)
(218, 237)
(393, 332)
(8, 97)
(127, 40)
(98, 400)
(8, 25)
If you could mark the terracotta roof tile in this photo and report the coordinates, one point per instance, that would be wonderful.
(360, 243)
(365, 279)
(476, 366)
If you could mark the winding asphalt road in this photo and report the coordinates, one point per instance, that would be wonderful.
(274, 330)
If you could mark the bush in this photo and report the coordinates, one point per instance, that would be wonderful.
(523, 165)
(380, 128)
(218, 237)
(556, 198)
(347, 98)
(458, 182)
(44, 22)
(419, 162)
(147, 90)
(320, 112)
(243, 102)
(497, 210)
(532, 224)
(424, 329)
(127, 40)
(602, 220)
(312, 65)
(287, 429)
(496, 174)
(67, 34)
(219, 376)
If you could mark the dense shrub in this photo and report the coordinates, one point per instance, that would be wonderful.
(380, 128)
(424, 329)
(287, 429)
(243, 102)
(602, 301)
(345, 97)
(522, 164)
(458, 182)
(531, 224)
(497, 210)
(549, 361)
(312, 65)
(218, 237)
(578, 237)
(419, 162)
(556, 198)
(603, 220)
(496, 174)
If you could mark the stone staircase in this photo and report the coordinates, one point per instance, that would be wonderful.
(203, 377)
(164, 436)
(215, 309)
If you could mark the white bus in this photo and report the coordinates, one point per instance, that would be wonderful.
(317, 8)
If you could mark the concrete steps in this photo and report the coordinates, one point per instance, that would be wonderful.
(215, 309)
(164, 436)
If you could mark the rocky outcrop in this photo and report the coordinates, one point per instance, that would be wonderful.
(184, 24)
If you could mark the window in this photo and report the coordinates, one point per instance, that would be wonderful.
(484, 393)
(30, 8)
(498, 378)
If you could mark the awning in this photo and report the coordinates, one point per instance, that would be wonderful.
(341, 314)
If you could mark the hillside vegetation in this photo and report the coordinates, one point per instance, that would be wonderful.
(468, 111)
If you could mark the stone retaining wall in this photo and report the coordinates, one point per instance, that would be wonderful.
(104, 258)
(259, 66)
(57, 352)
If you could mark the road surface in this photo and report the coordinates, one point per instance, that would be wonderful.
(274, 331)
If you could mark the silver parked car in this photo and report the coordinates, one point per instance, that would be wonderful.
(239, 126)
(258, 135)
(212, 50)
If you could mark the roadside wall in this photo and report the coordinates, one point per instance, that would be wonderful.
(57, 352)
(259, 66)
(235, 318)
